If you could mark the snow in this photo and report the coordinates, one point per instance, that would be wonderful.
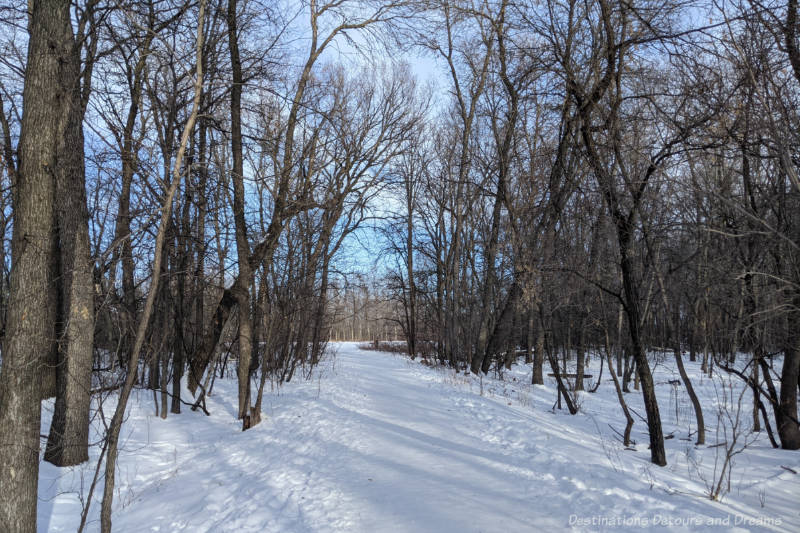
(374, 442)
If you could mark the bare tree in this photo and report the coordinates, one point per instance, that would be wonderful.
(29, 333)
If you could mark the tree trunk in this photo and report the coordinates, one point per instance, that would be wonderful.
(538, 357)
(754, 380)
(529, 339)
(31, 312)
(241, 289)
(580, 355)
(411, 326)
(68, 441)
(657, 452)
(788, 429)
(626, 439)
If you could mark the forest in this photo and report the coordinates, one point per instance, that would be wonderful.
(193, 186)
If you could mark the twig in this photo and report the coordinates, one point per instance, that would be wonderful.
(107, 388)
(185, 403)
(85, 511)
(643, 419)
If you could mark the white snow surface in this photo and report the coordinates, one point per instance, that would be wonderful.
(375, 442)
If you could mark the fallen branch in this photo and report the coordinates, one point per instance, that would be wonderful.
(191, 405)
(633, 442)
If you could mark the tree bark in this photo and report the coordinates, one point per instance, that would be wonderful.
(626, 439)
(788, 429)
(31, 312)
(657, 452)
(68, 441)
(411, 311)
(241, 288)
(580, 357)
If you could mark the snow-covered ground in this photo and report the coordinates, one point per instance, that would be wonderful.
(377, 443)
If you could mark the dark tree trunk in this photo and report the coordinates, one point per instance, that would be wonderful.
(674, 325)
(788, 429)
(68, 442)
(31, 312)
(529, 338)
(183, 250)
(580, 357)
(538, 357)
(241, 290)
(698, 409)
(657, 452)
(411, 311)
(626, 440)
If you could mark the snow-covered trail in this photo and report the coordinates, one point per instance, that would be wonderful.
(376, 443)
